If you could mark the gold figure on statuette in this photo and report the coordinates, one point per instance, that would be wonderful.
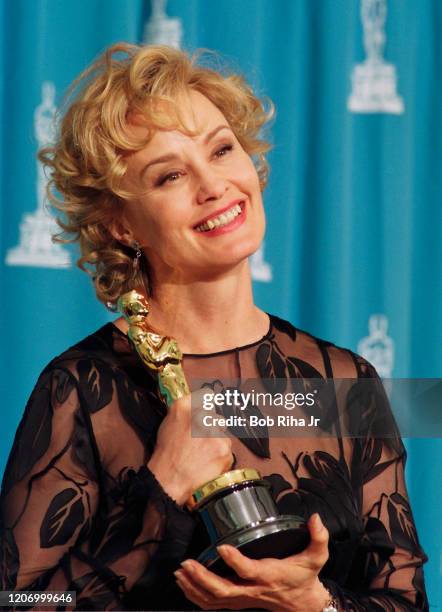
(159, 353)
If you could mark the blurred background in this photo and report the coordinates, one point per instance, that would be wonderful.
(353, 250)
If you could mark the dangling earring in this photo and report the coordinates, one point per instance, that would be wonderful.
(138, 253)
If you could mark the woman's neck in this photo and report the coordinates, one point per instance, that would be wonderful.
(208, 316)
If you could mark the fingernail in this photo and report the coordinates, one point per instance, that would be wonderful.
(188, 565)
(318, 523)
(223, 549)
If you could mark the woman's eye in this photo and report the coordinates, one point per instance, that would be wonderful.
(169, 178)
(223, 150)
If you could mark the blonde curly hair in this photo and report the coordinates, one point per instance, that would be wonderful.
(88, 162)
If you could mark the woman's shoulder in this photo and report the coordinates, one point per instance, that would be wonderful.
(102, 344)
(338, 361)
(99, 346)
(99, 369)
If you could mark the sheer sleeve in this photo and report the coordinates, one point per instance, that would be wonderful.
(389, 557)
(58, 529)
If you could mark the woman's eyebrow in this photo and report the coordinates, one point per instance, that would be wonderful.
(173, 156)
(158, 160)
(215, 131)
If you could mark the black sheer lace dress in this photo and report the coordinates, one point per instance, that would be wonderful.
(81, 511)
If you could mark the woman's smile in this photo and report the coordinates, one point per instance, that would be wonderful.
(224, 221)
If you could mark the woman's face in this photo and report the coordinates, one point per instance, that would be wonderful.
(201, 211)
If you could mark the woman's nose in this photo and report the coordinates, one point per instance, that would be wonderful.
(212, 186)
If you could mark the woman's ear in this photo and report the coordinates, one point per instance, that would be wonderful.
(119, 230)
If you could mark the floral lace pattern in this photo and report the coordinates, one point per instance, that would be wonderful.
(81, 511)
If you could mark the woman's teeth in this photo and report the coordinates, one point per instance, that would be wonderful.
(221, 220)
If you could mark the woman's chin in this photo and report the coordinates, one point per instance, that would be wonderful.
(225, 264)
(239, 252)
(235, 258)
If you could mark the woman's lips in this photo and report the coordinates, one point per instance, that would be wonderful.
(229, 227)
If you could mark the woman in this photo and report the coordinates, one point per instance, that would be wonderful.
(161, 170)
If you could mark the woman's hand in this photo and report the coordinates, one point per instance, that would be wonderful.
(290, 584)
(181, 463)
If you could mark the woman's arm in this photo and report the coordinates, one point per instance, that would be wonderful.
(51, 536)
(390, 553)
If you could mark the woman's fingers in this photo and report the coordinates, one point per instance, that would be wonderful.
(317, 551)
(199, 427)
(246, 568)
(193, 591)
(216, 586)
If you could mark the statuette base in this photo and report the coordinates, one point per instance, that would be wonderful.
(277, 537)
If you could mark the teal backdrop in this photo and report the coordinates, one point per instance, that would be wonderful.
(353, 204)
